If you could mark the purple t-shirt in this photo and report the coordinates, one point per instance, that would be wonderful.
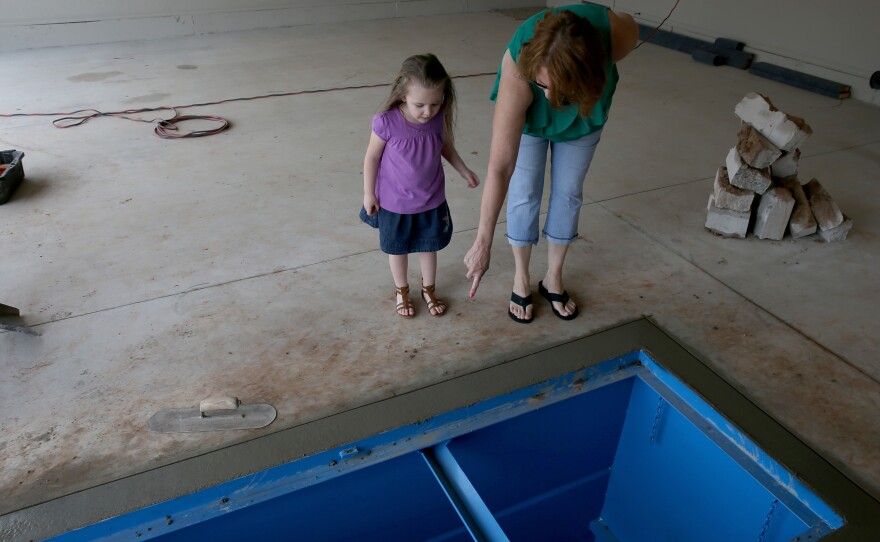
(410, 178)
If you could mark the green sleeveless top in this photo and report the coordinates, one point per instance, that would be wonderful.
(542, 119)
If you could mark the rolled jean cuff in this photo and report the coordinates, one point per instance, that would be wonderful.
(558, 240)
(518, 243)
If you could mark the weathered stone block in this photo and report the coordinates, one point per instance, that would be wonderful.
(785, 131)
(755, 149)
(802, 221)
(786, 165)
(825, 209)
(731, 197)
(725, 222)
(742, 175)
(839, 233)
(774, 210)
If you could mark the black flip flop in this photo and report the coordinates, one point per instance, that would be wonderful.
(522, 302)
(559, 298)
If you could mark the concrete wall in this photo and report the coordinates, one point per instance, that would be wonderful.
(836, 40)
(48, 23)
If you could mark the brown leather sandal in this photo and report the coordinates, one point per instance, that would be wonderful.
(405, 305)
(433, 303)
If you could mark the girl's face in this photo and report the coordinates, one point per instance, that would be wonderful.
(421, 104)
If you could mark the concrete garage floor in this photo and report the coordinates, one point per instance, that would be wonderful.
(162, 272)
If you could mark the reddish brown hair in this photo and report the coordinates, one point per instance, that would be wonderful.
(573, 52)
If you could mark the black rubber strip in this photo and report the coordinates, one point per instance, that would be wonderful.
(801, 80)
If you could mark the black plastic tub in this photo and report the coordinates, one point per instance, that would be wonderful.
(12, 173)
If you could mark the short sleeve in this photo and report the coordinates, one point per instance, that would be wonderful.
(522, 35)
(380, 126)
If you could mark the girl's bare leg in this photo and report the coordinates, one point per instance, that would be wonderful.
(428, 262)
(399, 265)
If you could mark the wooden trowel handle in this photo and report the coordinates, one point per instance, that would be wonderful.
(218, 403)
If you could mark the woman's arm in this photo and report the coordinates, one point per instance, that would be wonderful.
(624, 34)
(371, 167)
(514, 98)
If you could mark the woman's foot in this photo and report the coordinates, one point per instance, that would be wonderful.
(437, 307)
(404, 305)
(521, 306)
(561, 304)
(525, 303)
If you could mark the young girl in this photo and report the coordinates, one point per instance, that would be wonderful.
(404, 184)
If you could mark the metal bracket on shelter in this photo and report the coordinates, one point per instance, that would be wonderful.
(214, 414)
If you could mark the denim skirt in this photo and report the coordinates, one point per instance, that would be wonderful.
(428, 231)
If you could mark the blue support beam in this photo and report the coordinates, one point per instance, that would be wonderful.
(477, 517)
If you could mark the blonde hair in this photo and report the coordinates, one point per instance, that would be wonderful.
(574, 54)
(429, 72)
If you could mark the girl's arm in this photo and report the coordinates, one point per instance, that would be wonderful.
(514, 98)
(455, 161)
(371, 167)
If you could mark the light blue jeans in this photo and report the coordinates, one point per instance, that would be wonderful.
(569, 162)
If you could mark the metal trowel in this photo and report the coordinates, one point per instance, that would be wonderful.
(213, 414)
(11, 320)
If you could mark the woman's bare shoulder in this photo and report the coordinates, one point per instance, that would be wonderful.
(515, 88)
(624, 34)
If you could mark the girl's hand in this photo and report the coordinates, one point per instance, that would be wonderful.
(472, 180)
(371, 204)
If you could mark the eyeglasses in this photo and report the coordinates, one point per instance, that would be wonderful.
(545, 87)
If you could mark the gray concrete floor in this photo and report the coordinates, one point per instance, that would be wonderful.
(161, 272)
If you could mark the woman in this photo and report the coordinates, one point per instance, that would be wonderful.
(554, 90)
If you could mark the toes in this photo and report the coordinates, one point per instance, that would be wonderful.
(404, 310)
(520, 312)
(564, 310)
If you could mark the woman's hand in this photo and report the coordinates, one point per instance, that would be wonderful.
(477, 262)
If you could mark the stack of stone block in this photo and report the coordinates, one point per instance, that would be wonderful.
(759, 185)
